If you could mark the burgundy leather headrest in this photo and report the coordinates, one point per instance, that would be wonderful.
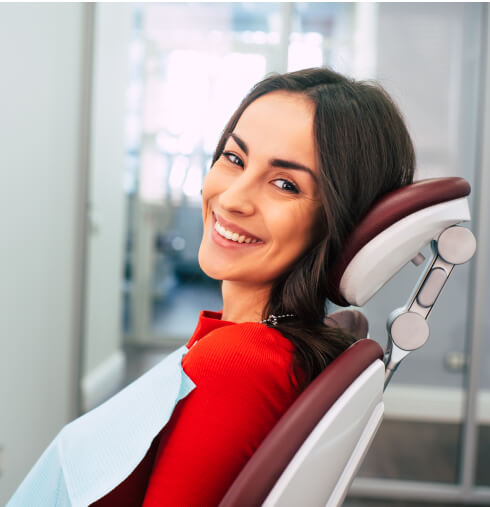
(386, 211)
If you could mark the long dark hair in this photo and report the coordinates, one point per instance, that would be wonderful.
(363, 151)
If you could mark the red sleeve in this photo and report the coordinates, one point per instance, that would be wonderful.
(242, 382)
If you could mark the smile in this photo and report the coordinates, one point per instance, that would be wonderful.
(233, 236)
(229, 235)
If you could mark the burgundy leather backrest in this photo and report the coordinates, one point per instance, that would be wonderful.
(261, 472)
(388, 210)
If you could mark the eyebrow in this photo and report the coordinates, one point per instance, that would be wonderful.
(276, 162)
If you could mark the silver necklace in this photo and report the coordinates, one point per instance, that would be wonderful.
(271, 320)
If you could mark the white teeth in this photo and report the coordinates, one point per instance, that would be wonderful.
(233, 236)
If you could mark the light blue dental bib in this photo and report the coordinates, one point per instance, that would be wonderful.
(96, 452)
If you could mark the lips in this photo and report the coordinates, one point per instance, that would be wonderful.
(234, 228)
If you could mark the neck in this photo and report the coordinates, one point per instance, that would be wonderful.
(243, 302)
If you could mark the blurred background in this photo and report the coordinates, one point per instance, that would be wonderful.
(109, 115)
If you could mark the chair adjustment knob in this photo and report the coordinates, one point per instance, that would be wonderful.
(456, 245)
(409, 331)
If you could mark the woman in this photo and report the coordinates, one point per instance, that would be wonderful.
(299, 163)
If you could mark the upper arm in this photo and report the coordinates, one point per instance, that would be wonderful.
(240, 393)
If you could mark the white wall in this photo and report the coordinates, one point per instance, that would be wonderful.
(42, 204)
(428, 60)
(104, 363)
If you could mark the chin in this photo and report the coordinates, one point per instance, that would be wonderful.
(208, 268)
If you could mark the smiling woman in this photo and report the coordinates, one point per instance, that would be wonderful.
(298, 165)
(262, 188)
(300, 162)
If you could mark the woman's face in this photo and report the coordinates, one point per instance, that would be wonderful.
(260, 199)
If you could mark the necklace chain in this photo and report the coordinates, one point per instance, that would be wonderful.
(271, 320)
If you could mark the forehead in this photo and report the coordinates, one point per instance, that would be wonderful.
(280, 124)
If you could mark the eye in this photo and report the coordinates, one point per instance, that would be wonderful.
(286, 185)
(234, 159)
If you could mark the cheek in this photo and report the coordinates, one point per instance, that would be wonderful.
(216, 181)
(205, 197)
(210, 188)
(294, 231)
(292, 238)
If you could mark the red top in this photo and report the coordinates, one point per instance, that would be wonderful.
(242, 377)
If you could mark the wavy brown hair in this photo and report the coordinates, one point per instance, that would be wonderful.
(363, 151)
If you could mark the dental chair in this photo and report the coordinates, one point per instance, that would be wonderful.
(313, 453)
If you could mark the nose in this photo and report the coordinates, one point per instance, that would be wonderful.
(239, 196)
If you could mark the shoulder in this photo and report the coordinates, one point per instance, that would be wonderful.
(240, 348)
